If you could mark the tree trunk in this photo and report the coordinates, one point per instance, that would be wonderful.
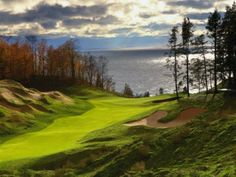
(187, 72)
(215, 72)
(176, 78)
(73, 68)
(205, 70)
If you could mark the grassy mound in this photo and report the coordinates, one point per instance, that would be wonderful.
(22, 109)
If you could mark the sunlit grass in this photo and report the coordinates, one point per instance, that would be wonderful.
(65, 133)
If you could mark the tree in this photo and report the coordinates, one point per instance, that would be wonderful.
(3, 45)
(197, 73)
(187, 34)
(102, 69)
(214, 32)
(200, 49)
(55, 67)
(70, 50)
(127, 91)
(90, 65)
(109, 84)
(173, 65)
(42, 55)
(32, 39)
(229, 43)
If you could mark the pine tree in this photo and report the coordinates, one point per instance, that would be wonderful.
(173, 65)
(229, 43)
(214, 32)
(128, 91)
(201, 49)
(196, 68)
(187, 34)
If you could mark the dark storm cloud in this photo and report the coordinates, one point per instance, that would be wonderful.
(197, 4)
(47, 15)
(76, 22)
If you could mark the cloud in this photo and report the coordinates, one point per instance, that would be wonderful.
(145, 15)
(110, 19)
(121, 30)
(157, 26)
(197, 4)
(200, 16)
(47, 15)
(170, 12)
(48, 24)
(102, 18)
(7, 1)
(76, 22)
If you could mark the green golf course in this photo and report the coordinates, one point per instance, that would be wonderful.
(65, 132)
(86, 134)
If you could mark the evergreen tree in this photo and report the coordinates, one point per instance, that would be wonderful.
(214, 32)
(187, 34)
(197, 73)
(128, 91)
(200, 49)
(229, 43)
(173, 65)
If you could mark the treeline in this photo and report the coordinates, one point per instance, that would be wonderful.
(203, 71)
(36, 64)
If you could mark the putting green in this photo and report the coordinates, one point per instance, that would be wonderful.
(64, 133)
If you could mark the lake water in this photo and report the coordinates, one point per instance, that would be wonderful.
(143, 70)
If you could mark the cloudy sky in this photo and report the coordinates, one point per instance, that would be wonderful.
(104, 23)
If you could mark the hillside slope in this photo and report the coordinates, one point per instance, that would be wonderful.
(22, 109)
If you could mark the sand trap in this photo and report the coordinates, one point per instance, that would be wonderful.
(153, 120)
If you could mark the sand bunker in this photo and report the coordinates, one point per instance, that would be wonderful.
(153, 120)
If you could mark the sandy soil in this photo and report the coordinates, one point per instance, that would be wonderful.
(153, 120)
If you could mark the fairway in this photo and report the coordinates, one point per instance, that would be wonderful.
(64, 133)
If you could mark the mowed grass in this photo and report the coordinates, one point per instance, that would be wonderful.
(65, 133)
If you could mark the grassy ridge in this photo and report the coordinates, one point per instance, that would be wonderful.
(24, 110)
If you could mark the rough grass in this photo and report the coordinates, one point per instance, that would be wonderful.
(204, 147)
(65, 133)
(102, 146)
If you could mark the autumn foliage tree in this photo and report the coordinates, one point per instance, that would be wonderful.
(36, 64)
